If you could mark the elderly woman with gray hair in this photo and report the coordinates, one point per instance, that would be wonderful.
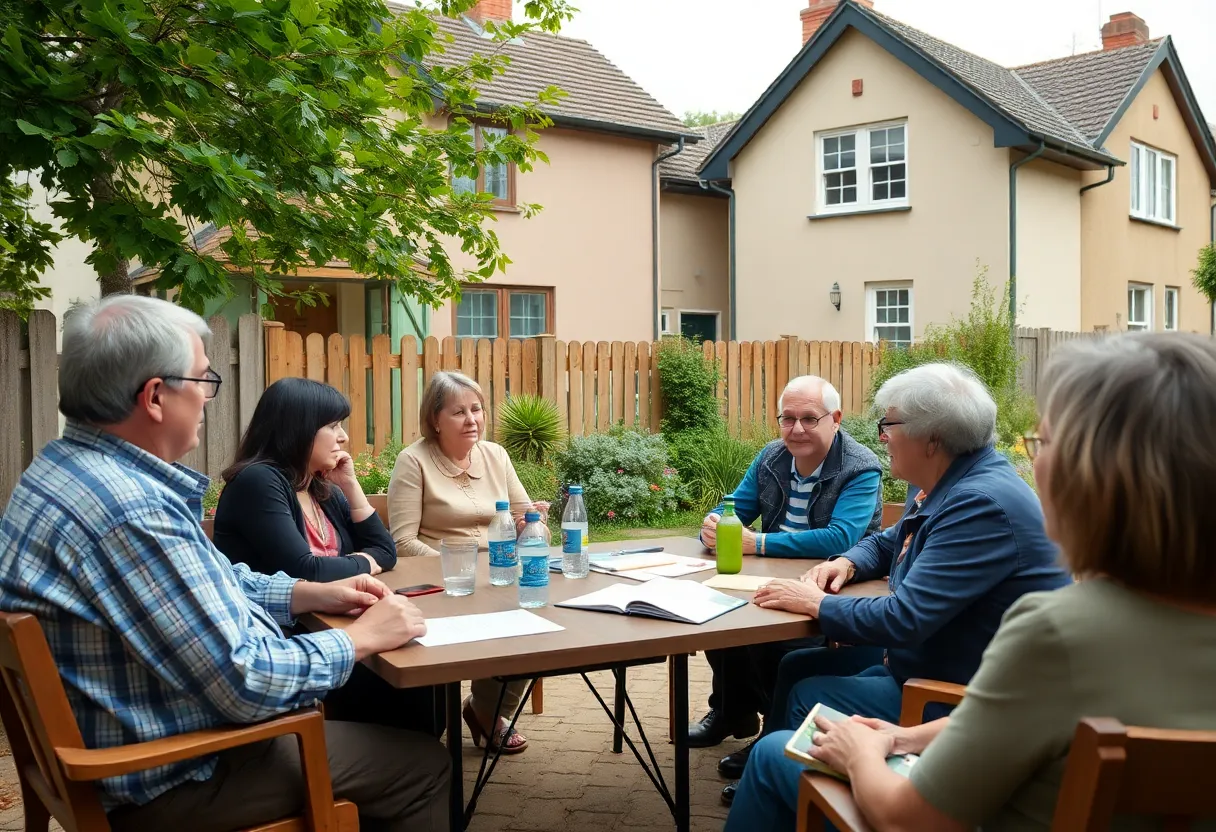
(446, 485)
(971, 542)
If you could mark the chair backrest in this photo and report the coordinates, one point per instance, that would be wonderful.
(891, 512)
(209, 528)
(380, 503)
(38, 719)
(1113, 769)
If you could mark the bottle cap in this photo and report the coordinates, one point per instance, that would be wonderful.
(532, 517)
(576, 489)
(502, 505)
(729, 499)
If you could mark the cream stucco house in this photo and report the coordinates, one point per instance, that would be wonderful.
(882, 164)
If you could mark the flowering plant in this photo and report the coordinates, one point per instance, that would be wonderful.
(625, 474)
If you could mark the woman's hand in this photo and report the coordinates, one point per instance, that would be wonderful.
(343, 472)
(791, 596)
(844, 744)
(376, 568)
(903, 741)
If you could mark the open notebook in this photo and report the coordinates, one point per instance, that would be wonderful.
(799, 746)
(686, 601)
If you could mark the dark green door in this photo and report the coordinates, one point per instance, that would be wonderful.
(699, 326)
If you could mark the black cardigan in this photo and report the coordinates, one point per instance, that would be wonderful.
(259, 522)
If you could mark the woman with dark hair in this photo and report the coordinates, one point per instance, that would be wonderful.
(291, 502)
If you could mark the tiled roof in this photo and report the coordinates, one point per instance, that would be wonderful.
(683, 166)
(1000, 85)
(597, 92)
(1087, 89)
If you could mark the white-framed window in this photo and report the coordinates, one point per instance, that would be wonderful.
(1172, 294)
(889, 313)
(863, 168)
(1139, 307)
(666, 321)
(1153, 183)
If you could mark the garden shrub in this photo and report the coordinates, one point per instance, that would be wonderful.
(538, 479)
(687, 382)
(625, 475)
(712, 462)
(982, 341)
(373, 471)
(529, 428)
(865, 431)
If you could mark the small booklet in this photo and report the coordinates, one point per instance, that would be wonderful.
(799, 746)
(740, 583)
(641, 567)
(685, 601)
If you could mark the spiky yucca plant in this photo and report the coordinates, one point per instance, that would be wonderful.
(530, 428)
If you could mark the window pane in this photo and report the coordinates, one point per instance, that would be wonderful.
(1167, 189)
(892, 316)
(528, 314)
(477, 315)
(1135, 169)
(1171, 309)
(496, 174)
(464, 184)
(1150, 184)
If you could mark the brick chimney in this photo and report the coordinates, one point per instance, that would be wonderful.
(818, 11)
(1124, 29)
(490, 10)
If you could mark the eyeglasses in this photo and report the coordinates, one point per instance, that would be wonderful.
(885, 423)
(809, 423)
(210, 378)
(1033, 444)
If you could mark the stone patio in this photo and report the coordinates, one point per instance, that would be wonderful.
(569, 775)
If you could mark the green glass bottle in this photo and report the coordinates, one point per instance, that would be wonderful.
(730, 539)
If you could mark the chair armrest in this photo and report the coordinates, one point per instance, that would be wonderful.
(821, 798)
(89, 764)
(920, 692)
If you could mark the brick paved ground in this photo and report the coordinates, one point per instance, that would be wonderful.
(569, 775)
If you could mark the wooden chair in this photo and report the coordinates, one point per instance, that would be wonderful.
(57, 771)
(1111, 769)
(891, 512)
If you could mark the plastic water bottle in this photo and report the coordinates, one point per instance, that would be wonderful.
(730, 539)
(504, 565)
(532, 547)
(575, 561)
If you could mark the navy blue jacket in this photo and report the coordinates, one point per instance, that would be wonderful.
(977, 545)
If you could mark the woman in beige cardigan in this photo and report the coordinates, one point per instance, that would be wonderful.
(445, 486)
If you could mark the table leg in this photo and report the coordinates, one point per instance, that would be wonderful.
(619, 710)
(456, 821)
(679, 668)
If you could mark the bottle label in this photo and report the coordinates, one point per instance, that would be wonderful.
(502, 553)
(572, 541)
(535, 572)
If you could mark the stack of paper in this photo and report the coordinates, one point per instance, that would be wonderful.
(642, 567)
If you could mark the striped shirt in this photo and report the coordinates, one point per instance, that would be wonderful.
(803, 491)
(154, 632)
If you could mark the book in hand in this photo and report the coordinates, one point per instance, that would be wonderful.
(685, 601)
(800, 745)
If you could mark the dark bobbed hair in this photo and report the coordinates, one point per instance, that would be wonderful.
(283, 428)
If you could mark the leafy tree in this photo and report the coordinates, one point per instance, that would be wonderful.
(704, 118)
(307, 127)
(25, 248)
(1204, 273)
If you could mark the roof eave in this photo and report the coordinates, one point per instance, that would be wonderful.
(632, 131)
(1007, 132)
(1167, 56)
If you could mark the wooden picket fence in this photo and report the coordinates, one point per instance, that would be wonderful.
(594, 384)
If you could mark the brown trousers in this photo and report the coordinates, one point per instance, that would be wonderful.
(398, 780)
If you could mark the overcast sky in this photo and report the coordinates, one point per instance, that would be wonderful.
(722, 54)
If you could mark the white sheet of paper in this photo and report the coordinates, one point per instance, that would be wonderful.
(460, 629)
(682, 566)
(742, 583)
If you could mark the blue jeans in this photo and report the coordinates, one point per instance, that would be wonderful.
(800, 666)
(768, 793)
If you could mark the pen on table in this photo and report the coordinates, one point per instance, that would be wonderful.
(645, 551)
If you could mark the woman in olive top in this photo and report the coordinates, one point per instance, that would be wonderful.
(1126, 468)
(445, 485)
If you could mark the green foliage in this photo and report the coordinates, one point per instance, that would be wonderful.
(211, 498)
(704, 118)
(538, 479)
(1204, 273)
(865, 431)
(25, 248)
(373, 471)
(983, 341)
(530, 428)
(712, 463)
(687, 382)
(625, 475)
(304, 127)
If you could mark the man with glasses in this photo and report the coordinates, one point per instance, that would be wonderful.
(154, 632)
(816, 492)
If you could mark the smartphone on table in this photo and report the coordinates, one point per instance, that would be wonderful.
(418, 589)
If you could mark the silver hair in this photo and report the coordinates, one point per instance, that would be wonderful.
(827, 393)
(944, 402)
(442, 386)
(111, 347)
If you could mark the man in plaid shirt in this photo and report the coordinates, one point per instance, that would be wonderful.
(154, 632)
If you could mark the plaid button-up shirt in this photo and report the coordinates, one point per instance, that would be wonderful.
(154, 632)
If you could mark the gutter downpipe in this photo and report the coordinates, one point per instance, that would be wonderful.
(654, 232)
(1013, 240)
(730, 194)
(1110, 177)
